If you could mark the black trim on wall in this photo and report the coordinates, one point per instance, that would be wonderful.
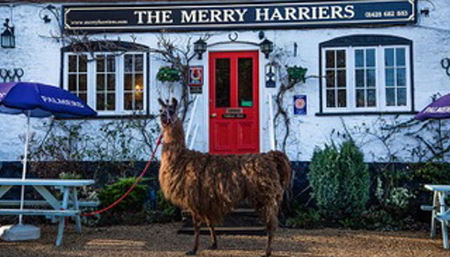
(366, 40)
(112, 117)
(362, 113)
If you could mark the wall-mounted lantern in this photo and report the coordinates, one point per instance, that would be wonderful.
(266, 47)
(200, 47)
(8, 40)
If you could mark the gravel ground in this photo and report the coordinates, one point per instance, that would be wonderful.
(162, 240)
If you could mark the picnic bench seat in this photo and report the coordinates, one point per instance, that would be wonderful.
(45, 203)
(39, 212)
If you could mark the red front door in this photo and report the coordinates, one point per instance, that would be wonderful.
(233, 102)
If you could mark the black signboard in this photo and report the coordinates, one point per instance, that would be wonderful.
(251, 15)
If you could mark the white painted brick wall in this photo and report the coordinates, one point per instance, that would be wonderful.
(39, 56)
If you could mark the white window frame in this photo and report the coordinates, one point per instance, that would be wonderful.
(120, 75)
(380, 80)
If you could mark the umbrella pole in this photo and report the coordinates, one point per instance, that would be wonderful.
(24, 171)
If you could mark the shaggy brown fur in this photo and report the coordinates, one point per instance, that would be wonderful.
(209, 186)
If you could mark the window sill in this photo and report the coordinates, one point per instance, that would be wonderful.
(365, 113)
(112, 117)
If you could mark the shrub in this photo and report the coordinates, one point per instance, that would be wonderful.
(132, 204)
(164, 211)
(340, 182)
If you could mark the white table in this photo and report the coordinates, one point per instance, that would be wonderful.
(68, 206)
(440, 210)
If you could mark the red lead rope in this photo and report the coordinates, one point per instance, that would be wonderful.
(131, 188)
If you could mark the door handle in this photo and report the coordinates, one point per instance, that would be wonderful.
(214, 115)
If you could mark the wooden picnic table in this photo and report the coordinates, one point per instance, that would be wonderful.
(440, 211)
(68, 206)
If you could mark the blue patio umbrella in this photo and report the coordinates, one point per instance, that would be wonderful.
(39, 100)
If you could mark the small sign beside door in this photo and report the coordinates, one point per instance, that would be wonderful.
(196, 76)
(300, 104)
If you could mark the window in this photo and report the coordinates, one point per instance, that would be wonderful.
(112, 82)
(366, 74)
(78, 76)
(336, 83)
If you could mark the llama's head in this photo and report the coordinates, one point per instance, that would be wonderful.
(168, 112)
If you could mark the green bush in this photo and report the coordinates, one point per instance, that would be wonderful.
(304, 218)
(134, 202)
(340, 182)
(164, 211)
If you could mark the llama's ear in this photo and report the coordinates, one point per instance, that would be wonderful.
(174, 103)
(161, 102)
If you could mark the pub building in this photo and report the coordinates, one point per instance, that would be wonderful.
(366, 60)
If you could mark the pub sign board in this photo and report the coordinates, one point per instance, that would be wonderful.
(250, 15)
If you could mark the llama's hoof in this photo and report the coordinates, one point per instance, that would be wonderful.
(213, 247)
(191, 252)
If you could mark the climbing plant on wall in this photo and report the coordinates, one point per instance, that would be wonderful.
(290, 77)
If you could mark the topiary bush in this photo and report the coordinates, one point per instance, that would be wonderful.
(340, 182)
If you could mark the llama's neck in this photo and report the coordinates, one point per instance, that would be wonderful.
(173, 138)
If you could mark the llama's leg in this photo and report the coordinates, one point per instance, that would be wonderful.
(271, 226)
(213, 235)
(197, 224)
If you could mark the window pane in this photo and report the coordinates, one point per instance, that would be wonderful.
(111, 63)
(390, 96)
(245, 82)
(139, 62)
(100, 102)
(331, 98)
(389, 56)
(73, 83)
(139, 101)
(111, 104)
(82, 82)
(370, 57)
(359, 58)
(330, 59)
(139, 82)
(370, 75)
(371, 98)
(128, 101)
(223, 82)
(400, 56)
(401, 77)
(82, 63)
(330, 78)
(341, 78)
(342, 98)
(360, 99)
(72, 63)
(401, 96)
(111, 82)
(100, 82)
(83, 97)
(100, 63)
(128, 63)
(390, 78)
(128, 82)
(359, 78)
(340, 58)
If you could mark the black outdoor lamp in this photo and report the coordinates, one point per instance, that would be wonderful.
(200, 47)
(8, 40)
(266, 47)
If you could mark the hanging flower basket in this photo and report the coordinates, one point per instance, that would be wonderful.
(296, 74)
(168, 74)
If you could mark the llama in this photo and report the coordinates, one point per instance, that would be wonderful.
(209, 186)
